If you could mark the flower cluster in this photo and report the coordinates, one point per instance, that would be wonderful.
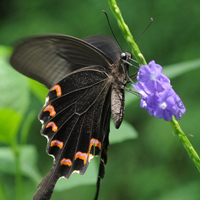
(158, 97)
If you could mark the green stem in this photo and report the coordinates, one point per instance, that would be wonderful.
(2, 191)
(141, 60)
(126, 32)
(186, 143)
(18, 176)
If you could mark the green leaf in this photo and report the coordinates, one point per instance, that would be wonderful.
(130, 99)
(178, 69)
(5, 52)
(9, 125)
(28, 158)
(39, 90)
(27, 125)
(125, 132)
(13, 85)
(185, 191)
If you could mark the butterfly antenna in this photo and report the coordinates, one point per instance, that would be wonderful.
(111, 28)
(145, 29)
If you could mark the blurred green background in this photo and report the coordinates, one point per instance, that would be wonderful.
(151, 166)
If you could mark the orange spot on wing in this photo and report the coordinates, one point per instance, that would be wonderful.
(58, 90)
(53, 125)
(51, 110)
(88, 156)
(82, 156)
(96, 143)
(65, 161)
(57, 143)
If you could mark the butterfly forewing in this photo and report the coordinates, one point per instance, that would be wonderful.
(49, 58)
(107, 45)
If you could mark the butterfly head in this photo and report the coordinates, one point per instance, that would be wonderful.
(125, 56)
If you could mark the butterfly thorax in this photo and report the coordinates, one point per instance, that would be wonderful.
(120, 69)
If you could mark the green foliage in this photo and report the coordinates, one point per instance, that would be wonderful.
(38, 90)
(116, 134)
(17, 99)
(28, 163)
(9, 126)
(153, 167)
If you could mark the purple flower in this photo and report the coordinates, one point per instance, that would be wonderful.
(158, 98)
(153, 78)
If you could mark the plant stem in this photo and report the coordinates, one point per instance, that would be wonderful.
(2, 191)
(18, 176)
(186, 143)
(126, 32)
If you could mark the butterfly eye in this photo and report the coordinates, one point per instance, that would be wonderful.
(123, 56)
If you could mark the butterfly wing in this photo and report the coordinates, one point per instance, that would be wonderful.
(107, 45)
(75, 120)
(49, 58)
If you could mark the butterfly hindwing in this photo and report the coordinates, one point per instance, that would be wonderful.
(75, 124)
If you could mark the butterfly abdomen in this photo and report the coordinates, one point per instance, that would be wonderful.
(117, 105)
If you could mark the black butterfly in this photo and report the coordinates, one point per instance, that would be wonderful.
(87, 79)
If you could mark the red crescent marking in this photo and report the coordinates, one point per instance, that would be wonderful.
(57, 143)
(53, 125)
(82, 156)
(51, 110)
(58, 90)
(65, 161)
(95, 142)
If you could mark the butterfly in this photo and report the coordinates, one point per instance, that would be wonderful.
(86, 81)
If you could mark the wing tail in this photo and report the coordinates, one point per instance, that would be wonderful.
(46, 187)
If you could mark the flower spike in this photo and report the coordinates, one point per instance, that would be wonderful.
(158, 97)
